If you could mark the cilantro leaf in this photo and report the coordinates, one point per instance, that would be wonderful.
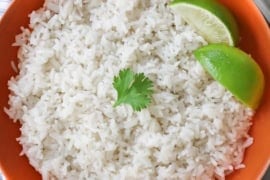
(133, 89)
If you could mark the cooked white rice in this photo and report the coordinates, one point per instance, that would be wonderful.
(63, 96)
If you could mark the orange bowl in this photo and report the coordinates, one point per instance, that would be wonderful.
(255, 40)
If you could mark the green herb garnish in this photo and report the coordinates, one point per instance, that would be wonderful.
(133, 89)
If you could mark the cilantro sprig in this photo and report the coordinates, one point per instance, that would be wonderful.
(133, 89)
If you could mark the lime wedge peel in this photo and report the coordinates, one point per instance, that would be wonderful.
(235, 70)
(211, 20)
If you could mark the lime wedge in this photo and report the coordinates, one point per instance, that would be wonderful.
(235, 70)
(211, 20)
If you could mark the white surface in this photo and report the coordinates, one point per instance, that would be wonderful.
(3, 6)
(264, 6)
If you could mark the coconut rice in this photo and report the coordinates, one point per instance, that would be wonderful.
(63, 96)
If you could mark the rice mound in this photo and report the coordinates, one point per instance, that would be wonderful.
(63, 96)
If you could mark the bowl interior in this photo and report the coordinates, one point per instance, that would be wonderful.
(255, 39)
